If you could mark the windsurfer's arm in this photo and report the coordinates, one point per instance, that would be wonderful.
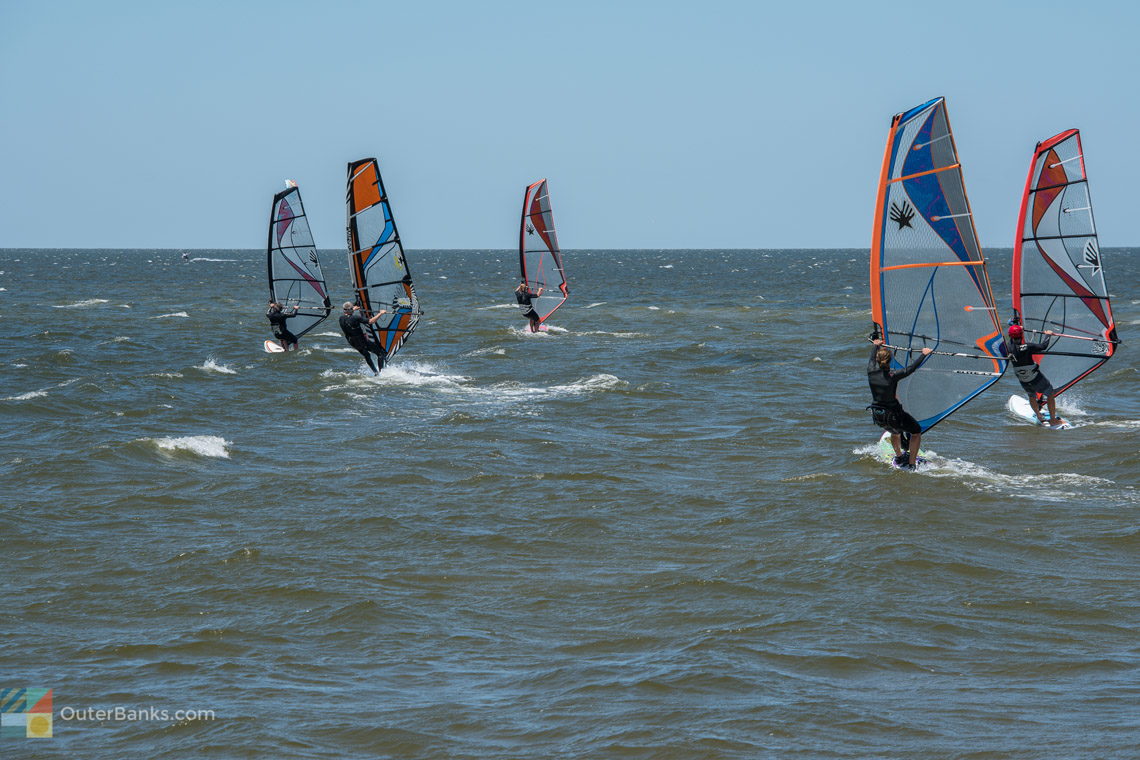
(913, 365)
(873, 365)
(379, 314)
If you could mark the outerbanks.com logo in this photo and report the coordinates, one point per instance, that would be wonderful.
(27, 713)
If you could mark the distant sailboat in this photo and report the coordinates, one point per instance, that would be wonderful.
(540, 259)
(929, 285)
(295, 277)
(376, 259)
(1058, 269)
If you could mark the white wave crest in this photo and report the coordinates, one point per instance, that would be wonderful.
(665, 266)
(488, 350)
(981, 478)
(599, 303)
(175, 314)
(616, 334)
(81, 304)
(202, 445)
(501, 306)
(41, 392)
(212, 365)
(26, 396)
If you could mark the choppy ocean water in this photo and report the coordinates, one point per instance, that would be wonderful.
(657, 531)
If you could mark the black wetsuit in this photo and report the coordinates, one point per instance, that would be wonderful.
(885, 408)
(277, 318)
(1028, 373)
(353, 326)
(524, 297)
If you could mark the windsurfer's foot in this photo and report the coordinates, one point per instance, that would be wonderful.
(900, 459)
(1056, 423)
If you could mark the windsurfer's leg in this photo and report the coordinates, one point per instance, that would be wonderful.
(367, 357)
(1034, 404)
(915, 442)
(896, 443)
(1053, 418)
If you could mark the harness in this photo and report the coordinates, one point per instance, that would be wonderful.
(887, 417)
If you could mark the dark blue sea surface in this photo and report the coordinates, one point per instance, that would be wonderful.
(658, 530)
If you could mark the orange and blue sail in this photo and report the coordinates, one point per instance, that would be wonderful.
(295, 276)
(929, 284)
(376, 259)
(1058, 269)
(540, 258)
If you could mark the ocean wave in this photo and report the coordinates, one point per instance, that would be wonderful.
(598, 303)
(41, 392)
(615, 334)
(27, 396)
(81, 304)
(175, 314)
(981, 478)
(212, 365)
(202, 445)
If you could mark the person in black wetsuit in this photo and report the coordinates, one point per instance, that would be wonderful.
(524, 295)
(277, 316)
(886, 410)
(352, 325)
(1029, 374)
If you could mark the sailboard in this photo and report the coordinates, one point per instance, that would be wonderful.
(295, 277)
(540, 258)
(376, 259)
(1058, 274)
(929, 284)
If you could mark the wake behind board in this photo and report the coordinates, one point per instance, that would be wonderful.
(1020, 407)
(273, 347)
(886, 453)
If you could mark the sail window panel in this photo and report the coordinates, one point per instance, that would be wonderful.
(1074, 215)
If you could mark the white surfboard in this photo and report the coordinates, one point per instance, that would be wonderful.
(273, 347)
(1020, 407)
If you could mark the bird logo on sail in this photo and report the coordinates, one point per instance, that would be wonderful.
(902, 215)
(1092, 256)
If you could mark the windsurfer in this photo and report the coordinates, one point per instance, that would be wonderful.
(886, 410)
(352, 325)
(523, 295)
(277, 316)
(1029, 374)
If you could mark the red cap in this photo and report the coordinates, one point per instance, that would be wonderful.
(1015, 331)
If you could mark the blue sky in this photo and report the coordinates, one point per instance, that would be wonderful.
(659, 124)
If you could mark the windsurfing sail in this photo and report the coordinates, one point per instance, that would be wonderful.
(929, 284)
(295, 277)
(540, 259)
(1058, 277)
(376, 259)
